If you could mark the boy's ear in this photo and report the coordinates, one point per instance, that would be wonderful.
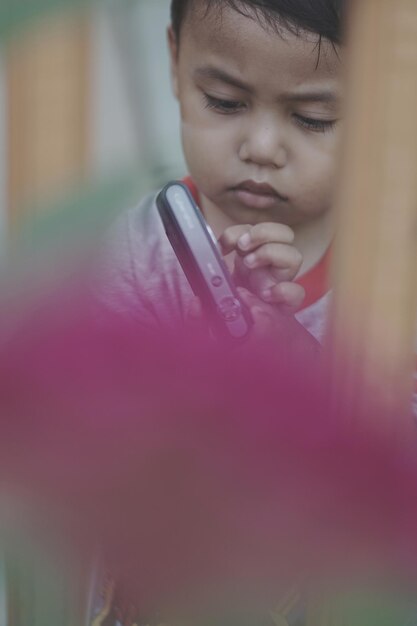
(173, 53)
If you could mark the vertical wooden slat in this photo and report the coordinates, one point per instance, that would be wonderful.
(376, 249)
(47, 92)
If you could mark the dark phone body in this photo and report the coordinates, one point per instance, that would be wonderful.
(203, 265)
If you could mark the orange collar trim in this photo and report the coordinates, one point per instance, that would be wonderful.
(316, 280)
(193, 189)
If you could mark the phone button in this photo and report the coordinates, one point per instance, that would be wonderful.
(229, 308)
(216, 281)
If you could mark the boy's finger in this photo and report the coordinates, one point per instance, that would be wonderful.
(263, 314)
(263, 319)
(265, 233)
(247, 297)
(289, 295)
(240, 271)
(260, 280)
(282, 258)
(230, 237)
(264, 278)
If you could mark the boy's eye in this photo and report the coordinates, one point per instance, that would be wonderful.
(222, 106)
(318, 126)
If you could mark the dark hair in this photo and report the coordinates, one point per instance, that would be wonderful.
(322, 17)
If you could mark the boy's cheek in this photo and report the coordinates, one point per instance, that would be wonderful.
(205, 147)
(315, 184)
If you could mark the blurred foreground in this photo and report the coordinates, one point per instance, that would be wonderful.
(206, 477)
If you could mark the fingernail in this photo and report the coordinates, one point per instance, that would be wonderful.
(244, 241)
(250, 260)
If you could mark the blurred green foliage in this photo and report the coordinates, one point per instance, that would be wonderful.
(81, 214)
(41, 588)
(15, 14)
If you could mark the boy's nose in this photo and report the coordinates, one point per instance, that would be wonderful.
(263, 144)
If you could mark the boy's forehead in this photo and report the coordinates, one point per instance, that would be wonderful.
(212, 13)
(214, 28)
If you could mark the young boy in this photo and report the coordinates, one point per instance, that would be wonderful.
(260, 87)
(259, 83)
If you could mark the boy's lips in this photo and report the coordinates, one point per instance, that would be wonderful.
(258, 195)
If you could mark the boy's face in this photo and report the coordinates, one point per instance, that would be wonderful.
(260, 117)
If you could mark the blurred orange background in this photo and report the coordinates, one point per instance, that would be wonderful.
(84, 96)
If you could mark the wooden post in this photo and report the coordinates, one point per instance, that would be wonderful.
(47, 105)
(375, 262)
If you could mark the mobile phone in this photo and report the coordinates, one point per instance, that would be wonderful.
(196, 249)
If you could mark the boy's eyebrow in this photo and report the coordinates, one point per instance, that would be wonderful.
(215, 73)
(316, 95)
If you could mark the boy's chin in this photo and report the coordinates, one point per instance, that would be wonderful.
(246, 214)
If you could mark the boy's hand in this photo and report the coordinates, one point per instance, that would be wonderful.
(266, 262)
(268, 321)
